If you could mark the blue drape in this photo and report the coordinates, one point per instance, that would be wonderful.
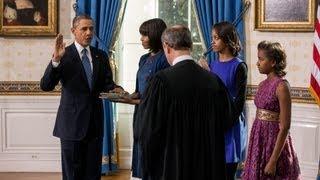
(210, 12)
(104, 14)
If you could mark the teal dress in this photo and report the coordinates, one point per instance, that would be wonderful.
(148, 66)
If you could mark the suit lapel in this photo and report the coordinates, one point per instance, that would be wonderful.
(78, 62)
(75, 53)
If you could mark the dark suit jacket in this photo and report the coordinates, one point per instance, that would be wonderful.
(78, 104)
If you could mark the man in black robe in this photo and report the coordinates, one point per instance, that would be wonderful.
(183, 117)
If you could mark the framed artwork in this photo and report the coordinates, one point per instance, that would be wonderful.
(289, 15)
(28, 17)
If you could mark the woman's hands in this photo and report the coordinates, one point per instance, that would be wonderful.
(133, 98)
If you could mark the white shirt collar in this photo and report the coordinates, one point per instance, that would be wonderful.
(181, 58)
(80, 48)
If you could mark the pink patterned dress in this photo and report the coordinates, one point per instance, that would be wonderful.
(263, 138)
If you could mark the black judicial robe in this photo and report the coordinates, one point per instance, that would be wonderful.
(181, 124)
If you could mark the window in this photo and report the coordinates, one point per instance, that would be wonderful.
(182, 12)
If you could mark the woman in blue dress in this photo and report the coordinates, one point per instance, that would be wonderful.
(233, 72)
(149, 64)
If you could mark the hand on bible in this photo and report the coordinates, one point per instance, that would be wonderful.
(59, 48)
(133, 98)
(134, 95)
(118, 90)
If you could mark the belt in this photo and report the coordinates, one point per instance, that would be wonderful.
(267, 115)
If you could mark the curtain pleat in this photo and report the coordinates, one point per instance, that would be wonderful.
(210, 12)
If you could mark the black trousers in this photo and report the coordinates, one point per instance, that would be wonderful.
(81, 160)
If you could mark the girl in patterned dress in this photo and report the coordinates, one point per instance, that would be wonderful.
(270, 153)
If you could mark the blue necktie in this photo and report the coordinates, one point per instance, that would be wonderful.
(87, 67)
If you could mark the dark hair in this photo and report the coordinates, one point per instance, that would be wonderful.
(76, 20)
(177, 37)
(153, 28)
(228, 33)
(275, 51)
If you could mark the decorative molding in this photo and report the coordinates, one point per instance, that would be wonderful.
(298, 94)
(17, 137)
(25, 88)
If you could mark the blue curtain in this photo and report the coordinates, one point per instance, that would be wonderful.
(210, 12)
(105, 15)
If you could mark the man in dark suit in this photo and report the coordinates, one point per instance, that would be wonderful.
(84, 72)
(183, 117)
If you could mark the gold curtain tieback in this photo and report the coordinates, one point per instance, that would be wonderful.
(266, 115)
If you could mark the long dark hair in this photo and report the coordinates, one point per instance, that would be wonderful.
(153, 28)
(228, 33)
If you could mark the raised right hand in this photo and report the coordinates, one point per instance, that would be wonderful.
(59, 48)
(204, 64)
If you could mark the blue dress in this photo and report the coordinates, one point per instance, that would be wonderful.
(148, 66)
(236, 137)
